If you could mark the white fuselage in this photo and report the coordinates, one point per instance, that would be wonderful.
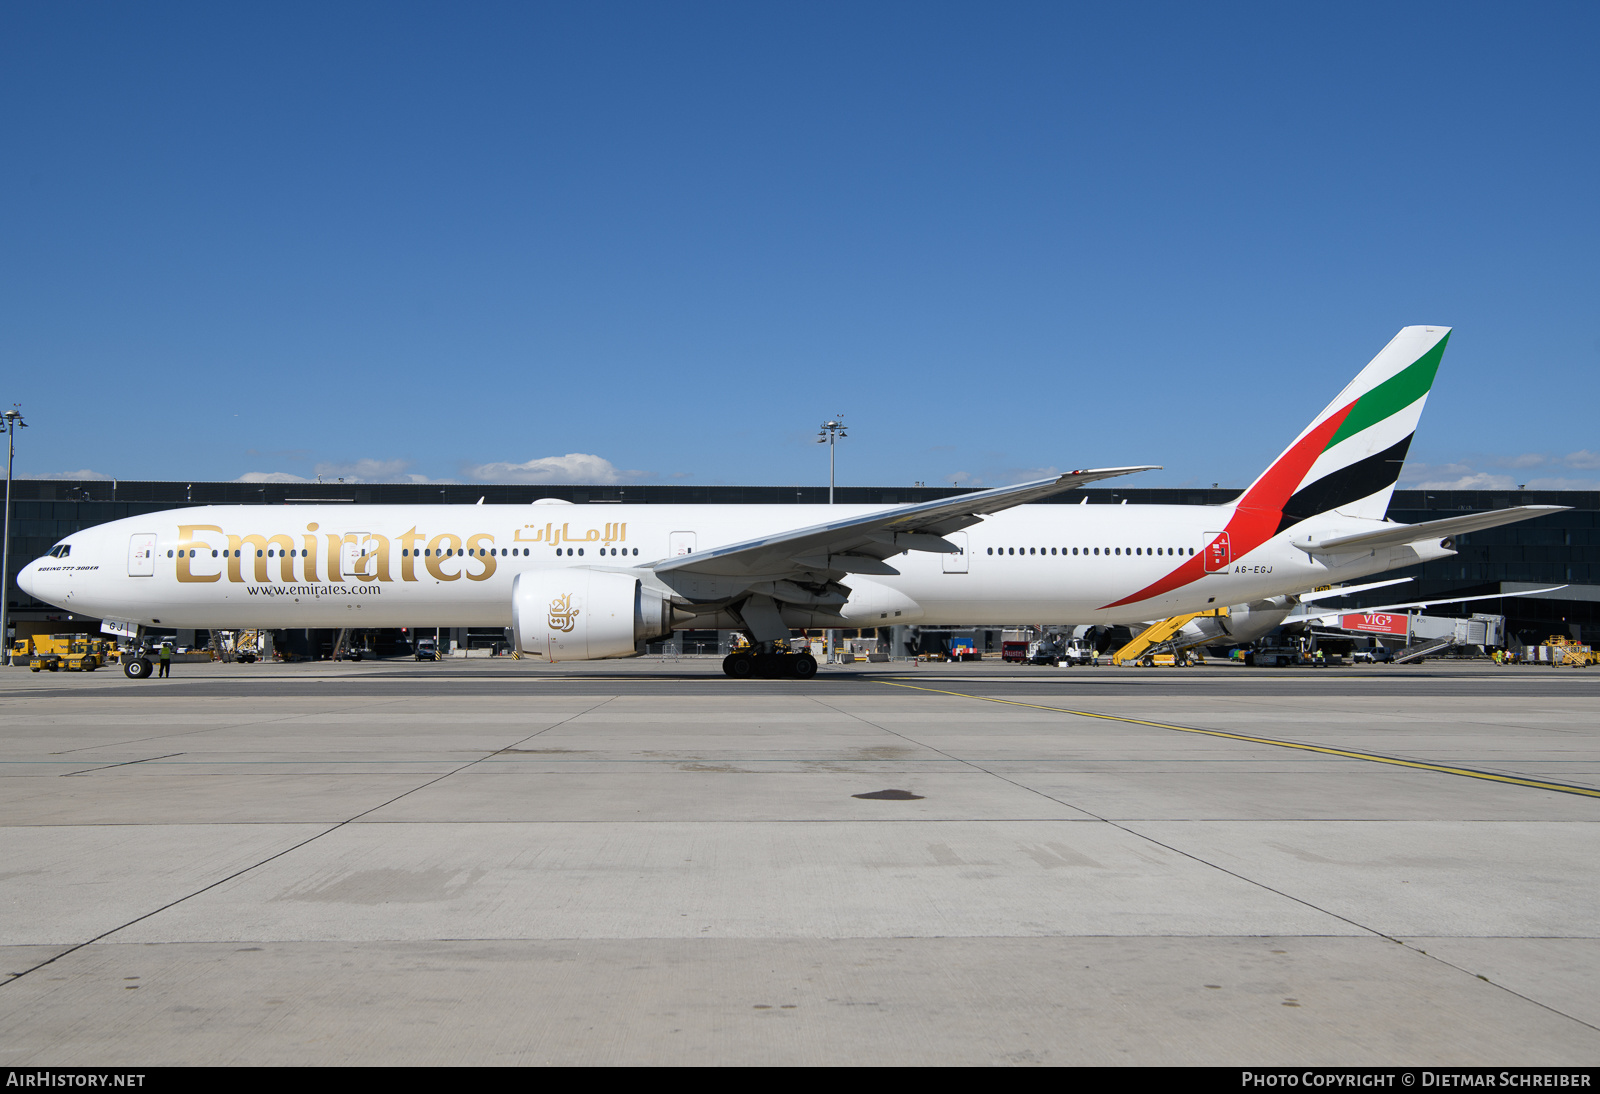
(389, 566)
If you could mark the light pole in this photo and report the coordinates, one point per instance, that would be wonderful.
(11, 419)
(831, 430)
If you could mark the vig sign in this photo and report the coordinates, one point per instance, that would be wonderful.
(1376, 623)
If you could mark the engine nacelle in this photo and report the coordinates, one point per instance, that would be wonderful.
(1243, 624)
(579, 614)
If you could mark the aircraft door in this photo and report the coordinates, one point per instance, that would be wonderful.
(1218, 557)
(680, 543)
(142, 555)
(957, 563)
(354, 559)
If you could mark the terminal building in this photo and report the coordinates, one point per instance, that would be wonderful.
(1506, 564)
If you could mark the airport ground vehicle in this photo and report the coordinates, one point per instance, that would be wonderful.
(1275, 655)
(61, 652)
(1564, 651)
(426, 649)
(964, 649)
(1014, 651)
(1078, 651)
(1373, 655)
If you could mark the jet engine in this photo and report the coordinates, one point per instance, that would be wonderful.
(1243, 624)
(578, 614)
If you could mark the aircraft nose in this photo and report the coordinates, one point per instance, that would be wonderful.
(26, 576)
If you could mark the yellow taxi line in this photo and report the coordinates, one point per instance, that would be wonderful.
(1373, 757)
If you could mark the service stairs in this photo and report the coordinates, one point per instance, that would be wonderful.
(1418, 650)
(1161, 637)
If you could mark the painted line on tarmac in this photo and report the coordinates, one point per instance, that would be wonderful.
(1349, 754)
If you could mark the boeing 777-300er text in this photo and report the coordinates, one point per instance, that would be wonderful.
(586, 582)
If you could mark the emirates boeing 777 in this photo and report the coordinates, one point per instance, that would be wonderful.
(586, 582)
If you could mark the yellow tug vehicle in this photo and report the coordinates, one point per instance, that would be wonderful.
(60, 652)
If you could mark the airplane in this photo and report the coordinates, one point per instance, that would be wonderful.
(1244, 623)
(588, 583)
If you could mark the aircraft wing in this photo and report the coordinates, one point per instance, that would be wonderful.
(859, 544)
(1349, 590)
(1401, 534)
(1325, 618)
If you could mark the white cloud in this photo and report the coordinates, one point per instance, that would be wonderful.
(364, 470)
(1003, 476)
(575, 467)
(1466, 476)
(84, 474)
(269, 476)
(1563, 484)
(1477, 481)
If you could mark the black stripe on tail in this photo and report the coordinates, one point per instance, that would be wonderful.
(1359, 480)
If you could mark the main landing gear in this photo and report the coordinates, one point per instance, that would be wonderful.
(745, 664)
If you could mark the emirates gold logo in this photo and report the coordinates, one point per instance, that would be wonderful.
(563, 616)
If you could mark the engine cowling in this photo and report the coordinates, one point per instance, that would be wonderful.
(579, 614)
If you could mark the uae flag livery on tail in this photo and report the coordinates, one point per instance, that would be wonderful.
(1346, 461)
(1369, 429)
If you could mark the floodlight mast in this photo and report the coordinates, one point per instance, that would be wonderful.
(831, 430)
(9, 421)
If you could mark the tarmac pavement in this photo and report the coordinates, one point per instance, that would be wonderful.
(644, 862)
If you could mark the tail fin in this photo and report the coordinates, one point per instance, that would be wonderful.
(1349, 457)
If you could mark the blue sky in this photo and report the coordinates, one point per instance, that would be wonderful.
(662, 242)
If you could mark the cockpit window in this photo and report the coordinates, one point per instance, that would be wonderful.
(61, 550)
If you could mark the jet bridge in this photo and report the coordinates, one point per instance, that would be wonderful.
(1426, 635)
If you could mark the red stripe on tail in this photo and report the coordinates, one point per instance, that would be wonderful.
(1256, 515)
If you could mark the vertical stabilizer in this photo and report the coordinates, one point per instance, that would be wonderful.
(1349, 458)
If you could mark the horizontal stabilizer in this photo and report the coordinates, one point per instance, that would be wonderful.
(1399, 535)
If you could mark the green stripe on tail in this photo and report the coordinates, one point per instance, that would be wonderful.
(1394, 394)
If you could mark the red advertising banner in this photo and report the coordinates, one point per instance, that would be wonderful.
(1376, 623)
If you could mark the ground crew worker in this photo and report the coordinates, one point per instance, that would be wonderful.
(166, 659)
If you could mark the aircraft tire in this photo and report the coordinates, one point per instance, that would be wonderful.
(803, 667)
(740, 666)
(137, 669)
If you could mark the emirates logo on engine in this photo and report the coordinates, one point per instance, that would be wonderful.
(563, 616)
